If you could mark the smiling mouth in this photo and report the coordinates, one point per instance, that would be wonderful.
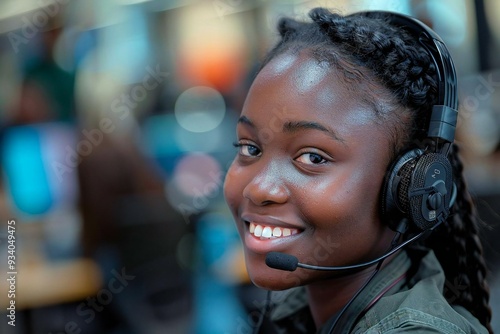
(271, 232)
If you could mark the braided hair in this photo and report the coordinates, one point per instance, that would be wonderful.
(402, 88)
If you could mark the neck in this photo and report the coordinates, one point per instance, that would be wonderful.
(328, 297)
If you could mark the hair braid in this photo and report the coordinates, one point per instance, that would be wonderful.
(397, 60)
(462, 257)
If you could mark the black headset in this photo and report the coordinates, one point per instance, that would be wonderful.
(419, 184)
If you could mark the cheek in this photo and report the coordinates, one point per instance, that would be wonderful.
(349, 202)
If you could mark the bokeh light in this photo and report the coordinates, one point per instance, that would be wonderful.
(200, 109)
(196, 181)
(197, 175)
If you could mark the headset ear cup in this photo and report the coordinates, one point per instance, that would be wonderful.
(431, 191)
(406, 172)
(394, 207)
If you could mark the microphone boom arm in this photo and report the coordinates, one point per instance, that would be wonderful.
(365, 264)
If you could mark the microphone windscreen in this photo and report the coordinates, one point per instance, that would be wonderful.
(281, 261)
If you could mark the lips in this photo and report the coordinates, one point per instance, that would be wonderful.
(265, 233)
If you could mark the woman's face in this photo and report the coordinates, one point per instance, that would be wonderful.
(308, 173)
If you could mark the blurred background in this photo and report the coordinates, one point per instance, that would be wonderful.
(116, 124)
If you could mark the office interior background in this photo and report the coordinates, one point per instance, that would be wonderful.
(117, 121)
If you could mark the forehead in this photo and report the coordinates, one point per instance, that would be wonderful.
(299, 87)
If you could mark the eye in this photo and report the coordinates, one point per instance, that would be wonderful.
(248, 150)
(311, 159)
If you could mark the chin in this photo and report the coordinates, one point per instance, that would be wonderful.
(271, 279)
(270, 284)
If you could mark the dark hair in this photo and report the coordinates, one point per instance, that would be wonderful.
(403, 88)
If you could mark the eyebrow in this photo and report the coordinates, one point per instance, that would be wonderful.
(291, 127)
(246, 120)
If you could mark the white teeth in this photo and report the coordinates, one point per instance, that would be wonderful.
(258, 231)
(268, 232)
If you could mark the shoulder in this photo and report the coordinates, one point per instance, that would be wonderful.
(412, 320)
(419, 307)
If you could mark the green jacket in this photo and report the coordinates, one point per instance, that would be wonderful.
(411, 302)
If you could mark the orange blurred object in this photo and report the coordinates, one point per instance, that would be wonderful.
(213, 66)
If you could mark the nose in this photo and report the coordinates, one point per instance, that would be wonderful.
(267, 187)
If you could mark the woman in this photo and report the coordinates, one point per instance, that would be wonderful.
(334, 104)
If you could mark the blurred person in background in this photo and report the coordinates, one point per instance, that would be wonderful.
(47, 90)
